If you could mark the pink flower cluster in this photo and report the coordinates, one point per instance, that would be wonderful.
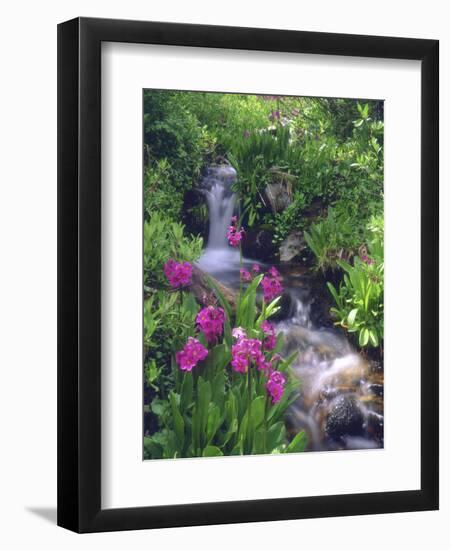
(270, 340)
(245, 352)
(210, 321)
(365, 258)
(271, 284)
(234, 235)
(275, 385)
(248, 351)
(247, 276)
(178, 274)
(191, 354)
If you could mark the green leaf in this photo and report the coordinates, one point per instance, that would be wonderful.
(178, 421)
(223, 301)
(334, 294)
(211, 450)
(364, 337)
(275, 435)
(203, 400)
(186, 392)
(213, 423)
(373, 338)
(159, 407)
(230, 432)
(352, 315)
(298, 444)
(258, 408)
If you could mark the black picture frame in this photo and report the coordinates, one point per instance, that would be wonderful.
(79, 274)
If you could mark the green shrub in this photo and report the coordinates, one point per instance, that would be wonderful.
(167, 315)
(290, 219)
(253, 157)
(174, 148)
(228, 117)
(360, 297)
(338, 236)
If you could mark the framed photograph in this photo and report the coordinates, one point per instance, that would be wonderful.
(247, 275)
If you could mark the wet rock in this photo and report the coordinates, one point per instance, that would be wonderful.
(258, 244)
(375, 426)
(376, 389)
(345, 418)
(292, 246)
(201, 290)
(279, 195)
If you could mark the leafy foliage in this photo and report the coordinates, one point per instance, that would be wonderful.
(164, 239)
(334, 238)
(174, 147)
(360, 299)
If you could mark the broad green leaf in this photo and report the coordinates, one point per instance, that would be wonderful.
(275, 435)
(373, 337)
(364, 337)
(213, 423)
(298, 444)
(352, 315)
(186, 392)
(223, 301)
(258, 408)
(211, 450)
(178, 421)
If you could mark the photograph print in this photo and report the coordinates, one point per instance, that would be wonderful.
(263, 274)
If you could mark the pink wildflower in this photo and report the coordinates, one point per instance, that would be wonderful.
(367, 260)
(245, 352)
(271, 285)
(210, 320)
(270, 341)
(178, 274)
(246, 276)
(256, 269)
(234, 235)
(191, 354)
(238, 332)
(274, 273)
(275, 385)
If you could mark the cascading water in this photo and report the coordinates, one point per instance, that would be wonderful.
(340, 402)
(219, 259)
(217, 187)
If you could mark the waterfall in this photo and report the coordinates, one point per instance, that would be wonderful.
(219, 259)
(217, 185)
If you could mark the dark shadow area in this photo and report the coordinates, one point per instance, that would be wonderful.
(48, 514)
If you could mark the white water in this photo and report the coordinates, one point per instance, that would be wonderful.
(219, 258)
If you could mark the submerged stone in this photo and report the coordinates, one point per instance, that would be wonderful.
(345, 418)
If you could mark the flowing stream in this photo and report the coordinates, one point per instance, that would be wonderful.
(340, 402)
